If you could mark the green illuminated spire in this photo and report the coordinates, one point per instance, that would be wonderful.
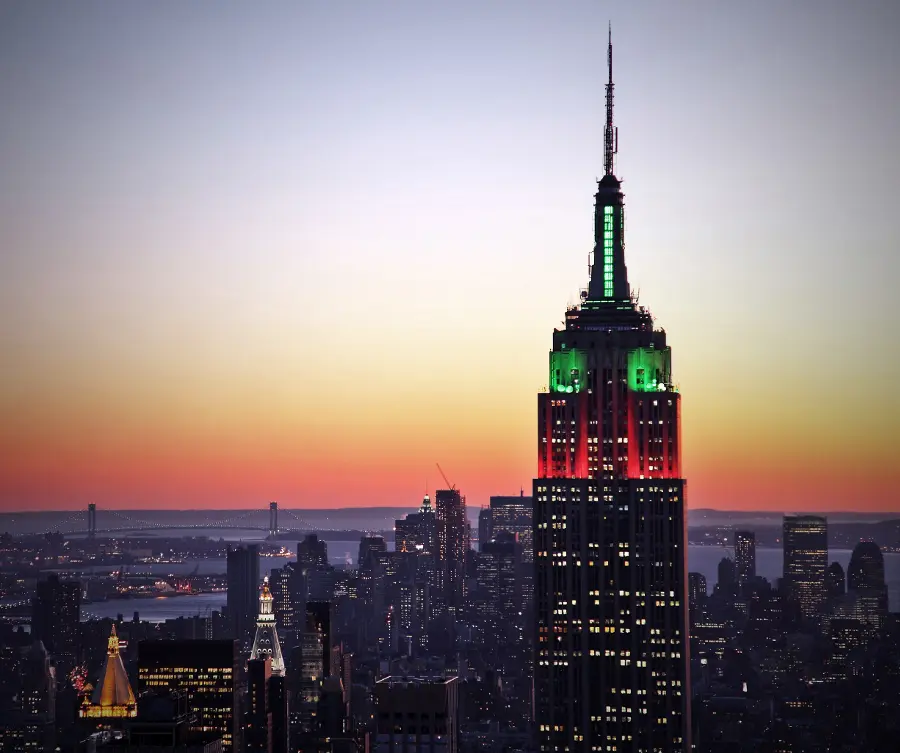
(609, 277)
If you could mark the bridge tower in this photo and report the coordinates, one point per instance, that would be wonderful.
(273, 519)
(92, 520)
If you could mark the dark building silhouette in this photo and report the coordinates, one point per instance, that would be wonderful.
(485, 527)
(865, 580)
(745, 556)
(243, 591)
(835, 581)
(499, 595)
(257, 717)
(279, 721)
(727, 575)
(416, 715)
(56, 615)
(164, 724)
(312, 553)
(609, 517)
(805, 540)
(866, 568)
(27, 699)
(696, 587)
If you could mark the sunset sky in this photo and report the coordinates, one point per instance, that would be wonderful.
(301, 251)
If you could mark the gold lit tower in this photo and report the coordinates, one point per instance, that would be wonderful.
(266, 644)
(113, 697)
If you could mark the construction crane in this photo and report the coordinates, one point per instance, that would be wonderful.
(451, 487)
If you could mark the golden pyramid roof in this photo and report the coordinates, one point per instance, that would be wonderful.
(114, 688)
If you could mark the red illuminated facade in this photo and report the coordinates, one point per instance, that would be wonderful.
(609, 518)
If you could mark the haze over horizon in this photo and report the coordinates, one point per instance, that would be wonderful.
(298, 252)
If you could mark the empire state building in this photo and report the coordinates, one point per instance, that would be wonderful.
(611, 650)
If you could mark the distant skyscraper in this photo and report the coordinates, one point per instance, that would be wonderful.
(243, 590)
(513, 515)
(312, 552)
(696, 587)
(453, 544)
(835, 580)
(485, 527)
(805, 540)
(611, 662)
(417, 531)
(727, 574)
(498, 588)
(745, 556)
(865, 579)
(265, 643)
(56, 615)
(205, 671)
(866, 568)
(288, 587)
(311, 664)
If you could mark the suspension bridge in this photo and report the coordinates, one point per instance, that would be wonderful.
(117, 521)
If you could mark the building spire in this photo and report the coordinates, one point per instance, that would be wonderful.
(611, 136)
(266, 644)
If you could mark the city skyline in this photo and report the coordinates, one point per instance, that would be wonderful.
(302, 261)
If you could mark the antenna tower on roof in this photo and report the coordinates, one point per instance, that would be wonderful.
(611, 135)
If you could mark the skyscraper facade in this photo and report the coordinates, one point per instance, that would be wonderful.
(207, 672)
(745, 556)
(453, 543)
(865, 580)
(805, 540)
(56, 615)
(242, 565)
(513, 515)
(609, 525)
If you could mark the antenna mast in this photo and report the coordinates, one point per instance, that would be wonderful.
(610, 136)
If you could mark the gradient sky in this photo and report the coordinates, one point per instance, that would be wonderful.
(303, 250)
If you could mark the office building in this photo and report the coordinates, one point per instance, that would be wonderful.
(745, 556)
(513, 515)
(164, 724)
(485, 527)
(452, 545)
(496, 571)
(610, 669)
(243, 591)
(312, 553)
(206, 672)
(56, 616)
(865, 579)
(417, 531)
(288, 587)
(805, 540)
(27, 699)
(835, 580)
(257, 716)
(311, 664)
(416, 715)
(696, 588)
